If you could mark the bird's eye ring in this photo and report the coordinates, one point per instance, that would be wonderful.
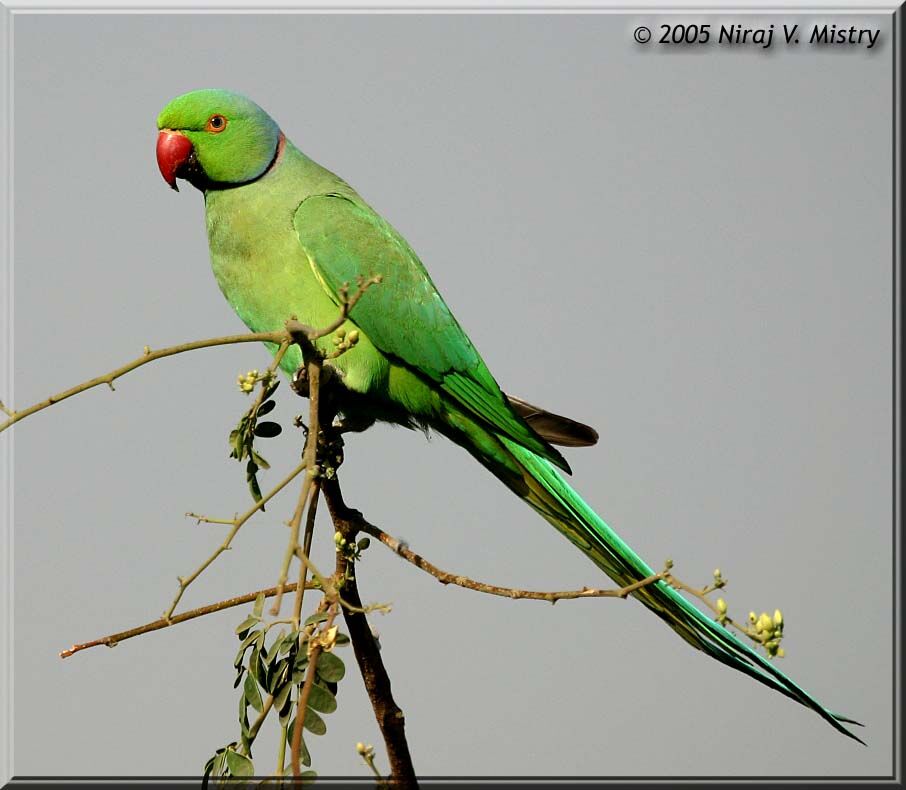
(216, 123)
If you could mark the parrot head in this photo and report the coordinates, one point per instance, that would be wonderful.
(215, 138)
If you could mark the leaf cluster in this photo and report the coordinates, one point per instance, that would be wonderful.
(242, 437)
(270, 677)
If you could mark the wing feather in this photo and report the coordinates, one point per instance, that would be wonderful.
(405, 316)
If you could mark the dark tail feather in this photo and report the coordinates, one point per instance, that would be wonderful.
(554, 428)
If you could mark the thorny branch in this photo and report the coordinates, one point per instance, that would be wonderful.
(114, 639)
(444, 577)
(185, 581)
(148, 356)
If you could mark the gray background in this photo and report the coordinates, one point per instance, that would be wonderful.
(689, 249)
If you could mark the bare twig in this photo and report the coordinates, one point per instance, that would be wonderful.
(304, 693)
(306, 550)
(113, 639)
(144, 359)
(309, 459)
(184, 582)
(492, 589)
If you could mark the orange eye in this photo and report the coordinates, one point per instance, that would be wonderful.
(216, 123)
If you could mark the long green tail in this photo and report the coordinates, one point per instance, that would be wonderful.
(542, 486)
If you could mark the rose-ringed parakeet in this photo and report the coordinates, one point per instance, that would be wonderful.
(285, 235)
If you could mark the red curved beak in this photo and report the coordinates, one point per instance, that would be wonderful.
(173, 151)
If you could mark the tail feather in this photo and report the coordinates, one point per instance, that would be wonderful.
(551, 496)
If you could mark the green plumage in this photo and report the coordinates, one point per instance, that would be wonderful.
(285, 235)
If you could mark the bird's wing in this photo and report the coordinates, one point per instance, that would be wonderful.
(405, 317)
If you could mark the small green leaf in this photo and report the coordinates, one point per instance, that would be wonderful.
(266, 408)
(252, 694)
(267, 429)
(321, 699)
(260, 461)
(288, 641)
(287, 710)
(247, 623)
(254, 487)
(314, 723)
(342, 639)
(255, 667)
(330, 667)
(282, 695)
(317, 617)
(258, 609)
(246, 641)
(304, 755)
(364, 543)
(239, 764)
(243, 715)
(277, 672)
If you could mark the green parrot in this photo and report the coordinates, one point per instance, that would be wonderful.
(285, 235)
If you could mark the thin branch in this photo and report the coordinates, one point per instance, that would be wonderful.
(309, 458)
(184, 582)
(304, 693)
(306, 550)
(256, 725)
(113, 639)
(444, 577)
(144, 359)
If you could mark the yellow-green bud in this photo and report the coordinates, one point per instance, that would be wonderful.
(353, 336)
(752, 618)
(778, 617)
(764, 622)
(341, 333)
(721, 606)
(717, 573)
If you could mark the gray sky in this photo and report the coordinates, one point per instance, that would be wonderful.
(689, 249)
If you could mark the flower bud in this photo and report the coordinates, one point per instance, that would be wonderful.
(721, 606)
(778, 617)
